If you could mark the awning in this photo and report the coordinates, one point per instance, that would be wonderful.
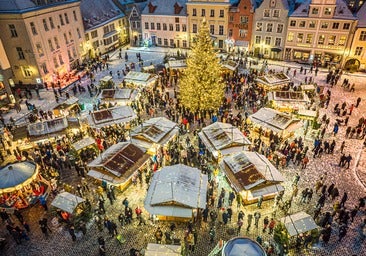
(298, 223)
(276, 49)
(67, 202)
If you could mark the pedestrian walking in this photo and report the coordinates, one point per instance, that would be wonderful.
(259, 203)
(265, 224)
(249, 219)
(271, 225)
(72, 233)
(212, 234)
(102, 249)
(257, 216)
(158, 235)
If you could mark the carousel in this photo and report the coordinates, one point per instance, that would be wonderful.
(222, 139)
(21, 185)
(252, 176)
(154, 133)
(267, 122)
(118, 164)
(176, 192)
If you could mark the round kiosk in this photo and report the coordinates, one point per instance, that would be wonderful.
(21, 185)
(242, 246)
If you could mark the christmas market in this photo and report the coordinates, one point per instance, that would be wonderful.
(106, 117)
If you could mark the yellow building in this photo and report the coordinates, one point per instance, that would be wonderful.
(320, 32)
(355, 58)
(106, 27)
(41, 38)
(215, 12)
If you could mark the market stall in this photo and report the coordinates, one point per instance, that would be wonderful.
(110, 116)
(298, 223)
(163, 250)
(154, 133)
(230, 65)
(252, 175)
(222, 139)
(288, 101)
(44, 127)
(176, 193)
(267, 121)
(69, 107)
(106, 83)
(120, 97)
(21, 185)
(118, 164)
(275, 81)
(136, 79)
(68, 202)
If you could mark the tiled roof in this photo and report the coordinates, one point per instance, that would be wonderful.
(165, 7)
(342, 11)
(98, 12)
(361, 15)
(22, 6)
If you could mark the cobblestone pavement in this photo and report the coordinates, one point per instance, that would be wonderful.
(60, 242)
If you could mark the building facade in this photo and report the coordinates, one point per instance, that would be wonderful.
(106, 27)
(240, 26)
(355, 57)
(134, 18)
(269, 29)
(320, 31)
(216, 13)
(43, 40)
(6, 76)
(164, 23)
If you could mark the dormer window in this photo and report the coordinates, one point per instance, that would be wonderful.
(177, 8)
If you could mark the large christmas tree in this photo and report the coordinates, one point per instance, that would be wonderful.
(202, 87)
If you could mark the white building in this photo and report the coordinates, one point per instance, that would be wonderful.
(164, 23)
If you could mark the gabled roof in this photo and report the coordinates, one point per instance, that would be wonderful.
(96, 12)
(166, 7)
(176, 190)
(266, 2)
(23, 6)
(361, 15)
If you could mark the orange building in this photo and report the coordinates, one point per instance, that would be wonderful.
(240, 26)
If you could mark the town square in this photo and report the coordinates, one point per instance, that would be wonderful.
(209, 140)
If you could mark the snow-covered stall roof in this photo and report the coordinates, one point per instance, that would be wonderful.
(80, 144)
(289, 96)
(298, 223)
(176, 190)
(273, 80)
(105, 117)
(118, 163)
(247, 169)
(67, 202)
(118, 94)
(157, 130)
(274, 120)
(176, 64)
(222, 136)
(163, 250)
(47, 126)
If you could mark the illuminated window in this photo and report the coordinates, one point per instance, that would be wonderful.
(309, 38)
(342, 41)
(321, 39)
(26, 71)
(327, 11)
(331, 40)
(290, 37)
(300, 37)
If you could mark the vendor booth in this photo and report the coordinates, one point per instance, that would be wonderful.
(154, 133)
(106, 82)
(139, 79)
(67, 202)
(21, 185)
(117, 165)
(163, 250)
(110, 116)
(49, 126)
(230, 65)
(266, 121)
(69, 107)
(222, 139)
(176, 193)
(298, 223)
(252, 175)
(273, 81)
(288, 101)
(121, 97)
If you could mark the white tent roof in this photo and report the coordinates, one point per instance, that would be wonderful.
(105, 117)
(273, 79)
(155, 130)
(47, 126)
(218, 136)
(163, 250)
(67, 202)
(273, 119)
(118, 94)
(83, 143)
(298, 223)
(176, 190)
(177, 64)
(138, 76)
